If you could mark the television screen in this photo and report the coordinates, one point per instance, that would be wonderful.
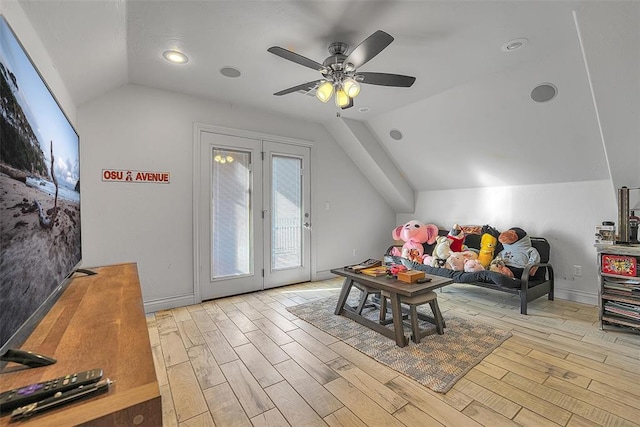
(40, 242)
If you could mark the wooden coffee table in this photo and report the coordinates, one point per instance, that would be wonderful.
(395, 288)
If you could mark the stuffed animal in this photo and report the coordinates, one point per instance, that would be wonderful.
(430, 261)
(488, 243)
(498, 265)
(414, 234)
(457, 260)
(517, 251)
(414, 255)
(472, 265)
(441, 252)
(456, 235)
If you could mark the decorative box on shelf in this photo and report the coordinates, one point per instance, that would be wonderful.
(410, 276)
(622, 265)
(605, 234)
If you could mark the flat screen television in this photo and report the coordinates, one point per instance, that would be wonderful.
(40, 245)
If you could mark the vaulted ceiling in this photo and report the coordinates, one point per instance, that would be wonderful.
(468, 121)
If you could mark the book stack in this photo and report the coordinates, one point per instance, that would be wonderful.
(375, 271)
(621, 286)
(622, 309)
(357, 268)
(622, 297)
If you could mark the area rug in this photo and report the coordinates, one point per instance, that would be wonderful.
(437, 362)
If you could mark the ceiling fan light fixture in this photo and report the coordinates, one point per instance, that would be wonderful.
(324, 91)
(351, 87)
(339, 71)
(342, 99)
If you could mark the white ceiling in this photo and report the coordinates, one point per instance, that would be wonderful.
(468, 120)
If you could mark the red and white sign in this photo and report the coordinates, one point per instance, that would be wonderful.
(115, 175)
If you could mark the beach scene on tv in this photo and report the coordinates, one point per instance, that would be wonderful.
(39, 189)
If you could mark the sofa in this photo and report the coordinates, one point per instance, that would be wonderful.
(529, 287)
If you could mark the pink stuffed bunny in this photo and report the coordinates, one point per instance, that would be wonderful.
(472, 265)
(414, 234)
(458, 260)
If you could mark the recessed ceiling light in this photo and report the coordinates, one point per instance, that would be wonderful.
(544, 92)
(175, 57)
(364, 109)
(514, 44)
(230, 72)
(395, 134)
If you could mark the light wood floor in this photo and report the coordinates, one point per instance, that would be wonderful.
(245, 360)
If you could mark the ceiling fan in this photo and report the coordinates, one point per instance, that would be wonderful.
(340, 71)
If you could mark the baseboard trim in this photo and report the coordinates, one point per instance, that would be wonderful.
(184, 300)
(167, 303)
(577, 296)
(323, 275)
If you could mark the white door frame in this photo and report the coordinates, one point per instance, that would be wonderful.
(198, 129)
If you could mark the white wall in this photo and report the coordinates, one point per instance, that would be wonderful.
(140, 128)
(364, 149)
(565, 214)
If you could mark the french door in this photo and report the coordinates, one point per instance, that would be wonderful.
(254, 219)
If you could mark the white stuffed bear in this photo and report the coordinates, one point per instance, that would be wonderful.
(440, 254)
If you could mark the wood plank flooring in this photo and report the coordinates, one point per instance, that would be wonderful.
(246, 361)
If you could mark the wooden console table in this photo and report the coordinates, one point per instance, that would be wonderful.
(98, 322)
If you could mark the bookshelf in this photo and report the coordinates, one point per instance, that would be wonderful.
(619, 287)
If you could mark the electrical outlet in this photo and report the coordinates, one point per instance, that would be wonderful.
(355, 253)
(577, 270)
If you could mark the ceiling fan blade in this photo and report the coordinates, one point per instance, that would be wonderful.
(304, 86)
(365, 51)
(384, 79)
(298, 59)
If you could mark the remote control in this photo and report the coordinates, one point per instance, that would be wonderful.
(34, 392)
(60, 398)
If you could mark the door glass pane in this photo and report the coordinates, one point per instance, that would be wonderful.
(286, 218)
(231, 213)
